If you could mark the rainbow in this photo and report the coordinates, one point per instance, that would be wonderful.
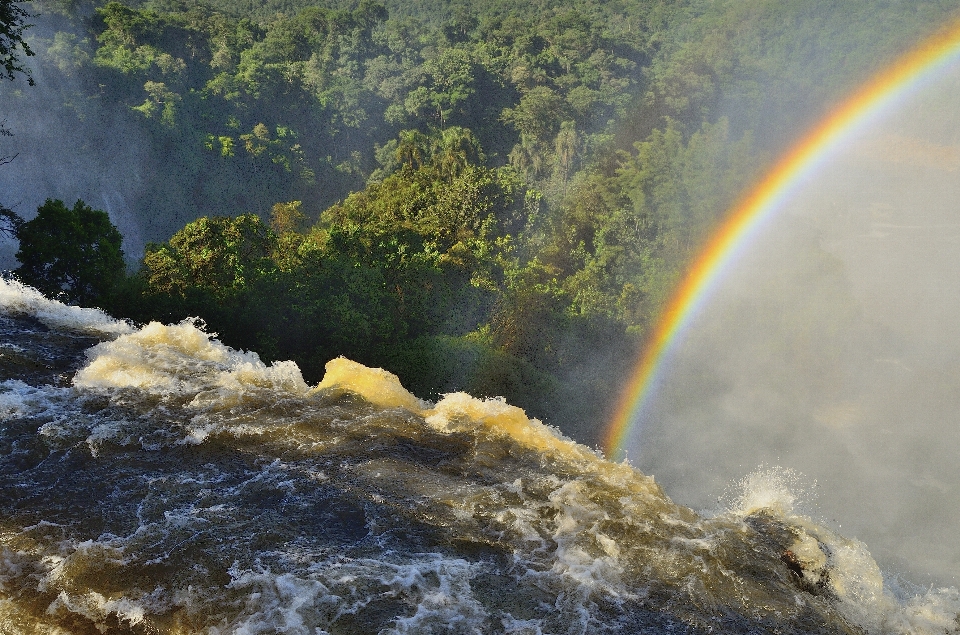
(907, 74)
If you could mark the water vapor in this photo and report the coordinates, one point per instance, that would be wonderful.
(69, 145)
(831, 350)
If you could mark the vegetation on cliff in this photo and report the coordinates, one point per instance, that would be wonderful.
(494, 196)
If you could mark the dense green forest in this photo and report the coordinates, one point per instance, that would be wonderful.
(494, 196)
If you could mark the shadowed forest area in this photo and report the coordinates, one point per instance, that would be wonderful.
(494, 196)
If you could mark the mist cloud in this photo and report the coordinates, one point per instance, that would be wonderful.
(831, 349)
(81, 148)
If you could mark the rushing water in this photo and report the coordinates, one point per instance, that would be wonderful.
(153, 480)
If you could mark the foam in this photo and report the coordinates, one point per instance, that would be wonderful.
(18, 399)
(379, 387)
(96, 607)
(19, 298)
(775, 489)
(183, 359)
(581, 518)
(454, 412)
(459, 411)
(438, 587)
(844, 565)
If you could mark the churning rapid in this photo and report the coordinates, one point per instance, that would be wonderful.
(153, 480)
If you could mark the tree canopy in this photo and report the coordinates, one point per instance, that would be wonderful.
(495, 195)
(70, 251)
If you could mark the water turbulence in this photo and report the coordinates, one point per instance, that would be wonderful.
(154, 480)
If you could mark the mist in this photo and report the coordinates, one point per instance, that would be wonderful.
(75, 136)
(74, 148)
(830, 349)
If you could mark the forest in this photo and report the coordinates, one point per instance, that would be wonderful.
(494, 196)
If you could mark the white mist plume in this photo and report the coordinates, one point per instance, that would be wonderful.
(69, 149)
(831, 349)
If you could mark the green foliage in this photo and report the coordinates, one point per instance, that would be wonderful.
(75, 252)
(435, 225)
(291, 105)
(220, 256)
(415, 257)
(13, 19)
(498, 192)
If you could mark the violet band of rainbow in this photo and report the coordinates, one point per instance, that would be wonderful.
(904, 77)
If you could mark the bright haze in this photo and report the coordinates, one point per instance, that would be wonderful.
(832, 348)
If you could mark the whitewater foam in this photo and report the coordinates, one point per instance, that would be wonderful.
(183, 359)
(843, 566)
(17, 298)
(178, 485)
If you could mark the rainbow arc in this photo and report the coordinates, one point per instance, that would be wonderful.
(904, 77)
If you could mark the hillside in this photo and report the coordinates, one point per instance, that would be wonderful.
(493, 196)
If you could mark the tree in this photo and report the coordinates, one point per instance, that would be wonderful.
(12, 17)
(219, 255)
(12, 25)
(286, 217)
(75, 252)
(10, 222)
